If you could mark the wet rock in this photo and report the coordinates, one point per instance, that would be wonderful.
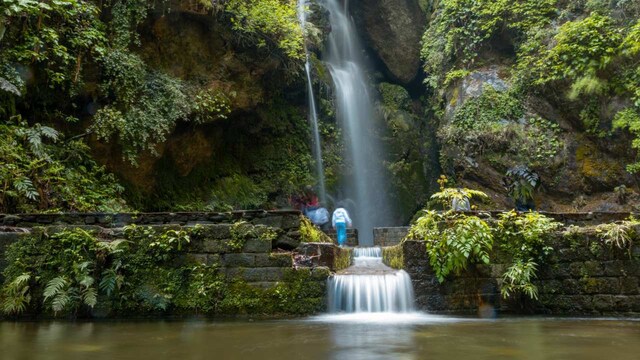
(392, 29)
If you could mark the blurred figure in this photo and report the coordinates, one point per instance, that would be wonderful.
(461, 202)
(340, 221)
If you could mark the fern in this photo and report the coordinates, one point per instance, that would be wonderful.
(90, 297)
(518, 279)
(24, 186)
(55, 291)
(111, 280)
(17, 295)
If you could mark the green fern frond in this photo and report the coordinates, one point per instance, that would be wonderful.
(54, 287)
(90, 297)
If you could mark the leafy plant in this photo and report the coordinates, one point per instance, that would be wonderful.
(16, 296)
(618, 234)
(519, 279)
(240, 232)
(269, 23)
(452, 241)
(520, 183)
(630, 119)
(39, 174)
(524, 239)
(310, 233)
(167, 243)
(447, 196)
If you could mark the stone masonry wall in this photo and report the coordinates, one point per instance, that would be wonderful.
(261, 261)
(582, 276)
(352, 237)
(389, 236)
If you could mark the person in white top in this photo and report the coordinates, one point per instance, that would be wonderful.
(340, 221)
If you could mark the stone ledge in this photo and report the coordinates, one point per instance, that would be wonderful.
(179, 218)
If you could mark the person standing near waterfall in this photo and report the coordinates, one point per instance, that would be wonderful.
(340, 221)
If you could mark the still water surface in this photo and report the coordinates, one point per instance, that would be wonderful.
(327, 337)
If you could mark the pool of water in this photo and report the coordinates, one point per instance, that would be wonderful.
(409, 336)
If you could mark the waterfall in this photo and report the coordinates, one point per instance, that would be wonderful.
(365, 184)
(313, 112)
(371, 288)
(367, 252)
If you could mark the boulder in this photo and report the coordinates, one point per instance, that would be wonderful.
(392, 29)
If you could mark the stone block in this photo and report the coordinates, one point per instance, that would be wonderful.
(603, 303)
(256, 274)
(211, 246)
(199, 258)
(271, 221)
(550, 287)
(593, 268)
(570, 287)
(629, 286)
(274, 260)
(205, 259)
(291, 222)
(575, 254)
(211, 232)
(621, 303)
(320, 273)
(614, 268)
(635, 303)
(600, 285)
(256, 246)
(286, 242)
(239, 260)
(575, 304)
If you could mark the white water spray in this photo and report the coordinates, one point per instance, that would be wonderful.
(371, 288)
(313, 112)
(365, 185)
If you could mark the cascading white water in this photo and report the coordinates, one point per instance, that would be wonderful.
(377, 289)
(313, 112)
(366, 184)
(367, 252)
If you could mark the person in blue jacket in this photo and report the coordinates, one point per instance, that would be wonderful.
(340, 221)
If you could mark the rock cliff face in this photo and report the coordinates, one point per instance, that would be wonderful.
(263, 137)
(579, 174)
(392, 29)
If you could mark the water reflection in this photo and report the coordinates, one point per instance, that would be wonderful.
(366, 341)
(414, 336)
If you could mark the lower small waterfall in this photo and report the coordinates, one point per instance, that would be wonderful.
(369, 286)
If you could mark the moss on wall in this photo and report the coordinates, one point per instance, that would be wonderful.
(220, 269)
(342, 260)
(393, 256)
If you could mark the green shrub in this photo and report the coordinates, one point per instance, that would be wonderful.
(524, 239)
(38, 173)
(310, 233)
(452, 241)
(620, 235)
